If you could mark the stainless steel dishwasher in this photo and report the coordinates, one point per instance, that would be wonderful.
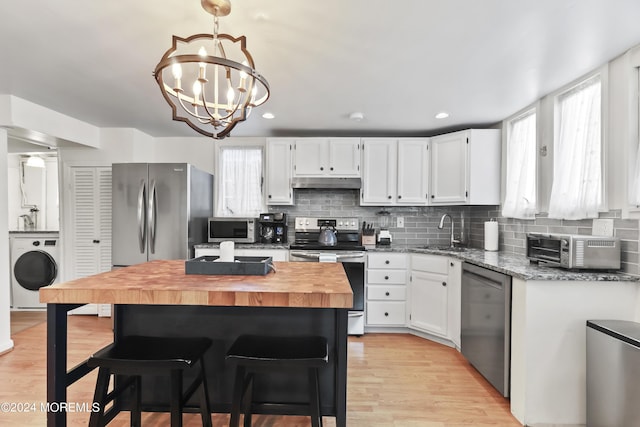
(613, 367)
(485, 335)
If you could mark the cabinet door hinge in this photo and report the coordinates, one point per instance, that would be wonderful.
(290, 147)
(466, 194)
(467, 140)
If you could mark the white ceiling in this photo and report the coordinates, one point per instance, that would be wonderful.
(398, 62)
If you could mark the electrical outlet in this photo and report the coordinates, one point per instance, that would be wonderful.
(602, 227)
(400, 222)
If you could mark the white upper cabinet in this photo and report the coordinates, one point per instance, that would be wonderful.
(413, 172)
(379, 174)
(465, 168)
(395, 171)
(322, 157)
(278, 172)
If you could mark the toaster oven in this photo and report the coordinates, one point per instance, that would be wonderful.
(574, 251)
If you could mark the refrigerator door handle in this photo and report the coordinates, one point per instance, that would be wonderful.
(152, 216)
(142, 224)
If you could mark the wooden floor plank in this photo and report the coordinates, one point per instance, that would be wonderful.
(394, 380)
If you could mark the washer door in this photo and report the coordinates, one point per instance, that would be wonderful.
(35, 269)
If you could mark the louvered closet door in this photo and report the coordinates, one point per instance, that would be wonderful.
(91, 220)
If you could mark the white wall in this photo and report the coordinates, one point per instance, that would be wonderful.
(5, 321)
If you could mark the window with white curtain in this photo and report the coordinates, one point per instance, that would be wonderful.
(239, 182)
(576, 191)
(521, 189)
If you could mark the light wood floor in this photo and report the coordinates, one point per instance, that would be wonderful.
(394, 380)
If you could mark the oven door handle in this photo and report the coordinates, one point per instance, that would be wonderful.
(305, 255)
(350, 255)
(316, 255)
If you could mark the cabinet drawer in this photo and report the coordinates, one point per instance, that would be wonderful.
(396, 277)
(391, 293)
(387, 260)
(386, 313)
(430, 263)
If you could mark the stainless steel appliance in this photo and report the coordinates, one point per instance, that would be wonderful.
(160, 211)
(273, 227)
(613, 364)
(348, 251)
(485, 334)
(240, 230)
(574, 250)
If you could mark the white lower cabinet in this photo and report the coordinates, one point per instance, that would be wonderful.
(434, 302)
(275, 254)
(386, 289)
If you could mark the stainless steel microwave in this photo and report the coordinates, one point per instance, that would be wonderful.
(574, 251)
(240, 230)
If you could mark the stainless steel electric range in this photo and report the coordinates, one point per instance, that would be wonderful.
(348, 251)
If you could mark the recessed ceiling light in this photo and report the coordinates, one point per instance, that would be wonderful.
(356, 116)
(442, 115)
(268, 116)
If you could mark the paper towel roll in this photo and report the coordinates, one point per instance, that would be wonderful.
(491, 236)
(226, 252)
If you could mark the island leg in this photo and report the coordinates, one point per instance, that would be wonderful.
(342, 318)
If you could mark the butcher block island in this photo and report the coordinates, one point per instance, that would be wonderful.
(319, 285)
(157, 298)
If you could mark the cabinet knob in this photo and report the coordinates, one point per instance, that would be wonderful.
(388, 197)
(433, 197)
(444, 283)
(331, 168)
(386, 314)
(269, 195)
(96, 241)
(321, 168)
(386, 262)
(386, 293)
(451, 264)
(399, 197)
(386, 277)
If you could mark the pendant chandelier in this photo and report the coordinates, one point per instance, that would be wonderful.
(205, 88)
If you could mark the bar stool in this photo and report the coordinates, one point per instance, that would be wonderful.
(253, 353)
(134, 356)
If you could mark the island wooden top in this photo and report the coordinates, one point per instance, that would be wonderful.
(295, 284)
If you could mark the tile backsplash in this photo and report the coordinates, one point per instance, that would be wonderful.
(420, 223)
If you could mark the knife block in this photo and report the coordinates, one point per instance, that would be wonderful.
(369, 241)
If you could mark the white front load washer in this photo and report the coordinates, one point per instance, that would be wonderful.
(34, 264)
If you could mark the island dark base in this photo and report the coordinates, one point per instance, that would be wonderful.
(223, 325)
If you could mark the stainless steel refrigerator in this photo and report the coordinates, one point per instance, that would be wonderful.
(160, 211)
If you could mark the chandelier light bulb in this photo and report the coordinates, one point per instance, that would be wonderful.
(197, 88)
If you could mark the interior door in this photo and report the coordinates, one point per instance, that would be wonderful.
(130, 191)
(168, 211)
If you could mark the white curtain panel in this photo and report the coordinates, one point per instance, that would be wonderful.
(634, 188)
(520, 198)
(576, 192)
(239, 189)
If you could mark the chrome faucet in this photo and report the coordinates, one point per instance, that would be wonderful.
(452, 240)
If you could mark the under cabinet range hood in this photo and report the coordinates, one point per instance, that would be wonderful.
(328, 183)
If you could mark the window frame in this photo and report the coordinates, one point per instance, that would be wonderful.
(507, 126)
(240, 144)
(603, 73)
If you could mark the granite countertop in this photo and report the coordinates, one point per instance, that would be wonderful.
(284, 246)
(295, 284)
(514, 265)
(34, 231)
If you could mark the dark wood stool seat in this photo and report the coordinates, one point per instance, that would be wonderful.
(253, 353)
(134, 356)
